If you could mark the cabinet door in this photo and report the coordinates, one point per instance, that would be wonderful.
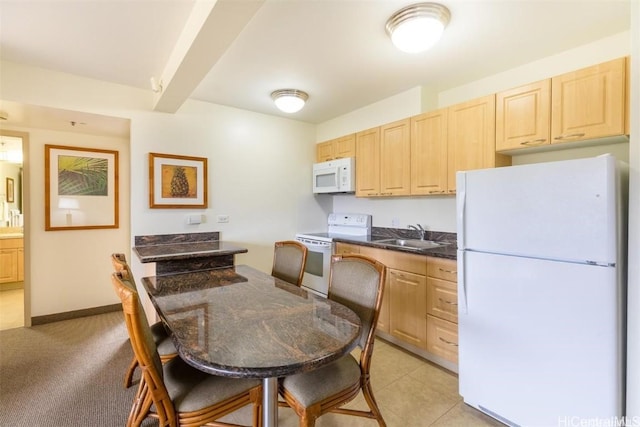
(408, 308)
(429, 153)
(368, 163)
(345, 146)
(471, 137)
(324, 151)
(383, 317)
(589, 103)
(395, 158)
(8, 265)
(523, 116)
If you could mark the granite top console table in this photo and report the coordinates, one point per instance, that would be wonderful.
(176, 253)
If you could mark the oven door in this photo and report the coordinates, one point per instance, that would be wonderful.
(316, 272)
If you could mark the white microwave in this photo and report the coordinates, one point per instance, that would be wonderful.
(335, 176)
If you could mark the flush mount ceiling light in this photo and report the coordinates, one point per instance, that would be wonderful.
(418, 27)
(289, 100)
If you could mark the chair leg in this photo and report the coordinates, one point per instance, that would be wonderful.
(307, 420)
(373, 405)
(128, 376)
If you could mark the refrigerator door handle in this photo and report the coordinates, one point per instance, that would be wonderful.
(462, 284)
(460, 206)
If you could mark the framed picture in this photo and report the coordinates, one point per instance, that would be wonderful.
(81, 188)
(177, 182)
(10, 191)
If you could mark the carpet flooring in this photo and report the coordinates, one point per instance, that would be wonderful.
(67, 373)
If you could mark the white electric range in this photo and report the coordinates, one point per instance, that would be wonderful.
(320, 245)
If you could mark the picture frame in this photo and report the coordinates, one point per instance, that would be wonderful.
(177, 182)
(10, 190)
(81, 188)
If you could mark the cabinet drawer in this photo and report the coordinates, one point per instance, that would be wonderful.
(441, 268)
(11, 243)
(412, 263)
(442, 338)
(442, 299)
(346, 249)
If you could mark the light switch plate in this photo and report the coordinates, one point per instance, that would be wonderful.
(223, 218)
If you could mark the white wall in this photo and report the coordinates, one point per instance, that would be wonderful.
(69, 270)
(602, 50)
(259, 175)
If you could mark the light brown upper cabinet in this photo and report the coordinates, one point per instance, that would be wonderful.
(395, 158)
(429, 153)
(471, 139)
(338, 148)
(368, 163)
(589, 103)
(383, 160)
(523, 116)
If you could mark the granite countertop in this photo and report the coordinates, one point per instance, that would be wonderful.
(11, 235)
(241, 322)
(170, 247)
(448, 250)
(175, 251)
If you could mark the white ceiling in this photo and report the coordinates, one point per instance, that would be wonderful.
(236, 52)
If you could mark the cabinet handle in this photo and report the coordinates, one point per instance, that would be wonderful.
(435, 191)
(534, 142)
(448, 271)
(573, 135)
(372, 194)
(444, 301)
(448, 342)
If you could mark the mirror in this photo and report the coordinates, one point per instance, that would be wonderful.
(11, 181)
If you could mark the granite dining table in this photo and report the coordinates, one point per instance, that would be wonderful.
(241, 322)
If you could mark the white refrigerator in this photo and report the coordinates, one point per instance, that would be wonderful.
(541, 291)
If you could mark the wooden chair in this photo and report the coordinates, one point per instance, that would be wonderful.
(357, 282)
(175, 393)
(289, 260)
(163, 342)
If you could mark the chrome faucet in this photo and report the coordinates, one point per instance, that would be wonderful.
(419, 229)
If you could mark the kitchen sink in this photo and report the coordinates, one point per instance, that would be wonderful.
(412, 243)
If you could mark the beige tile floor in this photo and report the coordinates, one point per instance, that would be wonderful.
(410, 391)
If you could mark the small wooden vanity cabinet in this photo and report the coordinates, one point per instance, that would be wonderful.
(11, 260)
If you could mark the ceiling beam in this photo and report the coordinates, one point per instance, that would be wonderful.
(210, 30)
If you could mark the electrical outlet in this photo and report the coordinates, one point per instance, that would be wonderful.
(395, 222)
(223, 218)
(194, 219)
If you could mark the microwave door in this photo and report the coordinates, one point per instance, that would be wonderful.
(326, 180)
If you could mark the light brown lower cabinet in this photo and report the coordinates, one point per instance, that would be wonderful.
(419, 307)
(11, 260)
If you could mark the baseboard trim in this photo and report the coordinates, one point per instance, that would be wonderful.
(49, 318)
